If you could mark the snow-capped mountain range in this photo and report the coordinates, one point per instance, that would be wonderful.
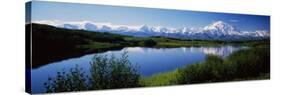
(218, 30)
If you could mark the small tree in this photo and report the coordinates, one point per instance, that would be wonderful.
(73, 81)
(113, 73)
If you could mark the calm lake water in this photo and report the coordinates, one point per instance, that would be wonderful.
(150, 60)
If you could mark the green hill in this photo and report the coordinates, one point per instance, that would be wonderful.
(51, 44)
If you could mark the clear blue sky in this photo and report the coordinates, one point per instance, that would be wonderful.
(42, 10)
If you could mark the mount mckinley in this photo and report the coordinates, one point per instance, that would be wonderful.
(218, 30)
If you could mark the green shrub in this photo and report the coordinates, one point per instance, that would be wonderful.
(208, 71)
(105, 73)
(113, 73)
(250, 62)
(73, 81)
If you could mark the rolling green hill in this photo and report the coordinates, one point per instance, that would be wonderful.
(52, 44)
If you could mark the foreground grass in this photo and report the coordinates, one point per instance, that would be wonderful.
(249, 64)
(162, 79)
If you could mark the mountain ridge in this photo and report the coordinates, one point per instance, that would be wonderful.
(218, 30)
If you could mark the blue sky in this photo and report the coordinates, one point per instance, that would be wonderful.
(42, 10)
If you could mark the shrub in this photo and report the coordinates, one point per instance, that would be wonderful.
(250, 62)
(73, 81)
(105, 73)
(113, 73)
(208, 71)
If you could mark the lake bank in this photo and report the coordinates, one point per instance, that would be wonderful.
(214, 69)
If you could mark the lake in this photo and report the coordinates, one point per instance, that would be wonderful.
(150, 61)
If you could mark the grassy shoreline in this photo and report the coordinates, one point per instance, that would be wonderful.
(234, 68)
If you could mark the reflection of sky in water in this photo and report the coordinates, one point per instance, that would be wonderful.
(150, 61)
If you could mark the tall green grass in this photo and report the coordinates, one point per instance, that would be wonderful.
(161, 79)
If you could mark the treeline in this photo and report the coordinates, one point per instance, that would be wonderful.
(233, 42)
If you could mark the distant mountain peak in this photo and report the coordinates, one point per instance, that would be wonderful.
(145, 28)
(218, 30)
(90, 26)
(221, 26)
